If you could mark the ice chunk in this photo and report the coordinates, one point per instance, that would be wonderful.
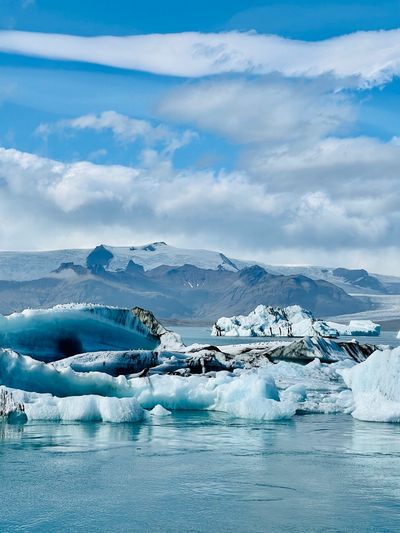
(169, 340)
(88, 408)
(375, 384)
(66, 330)
(22, 372)
(114, 363)
(266, 321)
(159, 410)
(357, 327)
(10, 409)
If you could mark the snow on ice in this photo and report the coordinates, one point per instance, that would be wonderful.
(291, 321)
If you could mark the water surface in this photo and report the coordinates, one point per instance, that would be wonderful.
(196, 471)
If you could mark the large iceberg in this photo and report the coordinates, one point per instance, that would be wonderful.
(267, 321)
(66, 330)
(375, 384)
(356, 328)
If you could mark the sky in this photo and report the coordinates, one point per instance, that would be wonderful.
(266, 130)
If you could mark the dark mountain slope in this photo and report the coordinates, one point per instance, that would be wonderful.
(185, 292)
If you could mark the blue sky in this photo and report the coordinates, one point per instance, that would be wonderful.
(263, 129)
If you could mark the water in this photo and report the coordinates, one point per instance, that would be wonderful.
(202, 335)
(201, 472)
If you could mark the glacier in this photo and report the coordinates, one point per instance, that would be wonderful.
(267, 321)
(66, 330)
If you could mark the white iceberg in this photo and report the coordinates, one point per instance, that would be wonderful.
(159, 411)
(88, 408)
(375, 384)
(267, 321)
(356, 328)
(66, 330)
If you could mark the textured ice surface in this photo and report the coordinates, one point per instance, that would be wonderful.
(114, 363)
(65, 330)
(245, 394)
(266, 321)
(375, 384)
(159, 410)
(88, 408)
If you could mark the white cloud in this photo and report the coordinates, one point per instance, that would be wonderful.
(46, 203)
(124, 128)
(272, 110)
(371, 57)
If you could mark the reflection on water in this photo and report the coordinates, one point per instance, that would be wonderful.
(201, 472)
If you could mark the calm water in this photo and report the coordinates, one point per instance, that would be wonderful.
(191, 335)
(201, 472)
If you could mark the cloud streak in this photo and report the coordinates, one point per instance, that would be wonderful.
(371, 58)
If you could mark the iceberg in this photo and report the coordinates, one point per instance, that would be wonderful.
(244, 394)
(357, 327)
(66, 330)
(375, 385)
(115, 363)
(267, 321)
(88, 408)
(10, 409)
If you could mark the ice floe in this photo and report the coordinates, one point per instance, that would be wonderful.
(357, 327)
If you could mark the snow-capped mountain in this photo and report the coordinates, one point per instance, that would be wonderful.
(180, 283)
(19, 266)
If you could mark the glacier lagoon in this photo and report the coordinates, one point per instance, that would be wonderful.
(198, 471)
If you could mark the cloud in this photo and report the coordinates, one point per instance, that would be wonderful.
(370, 57)
(125, 129)
(271, 110)
(46, 203)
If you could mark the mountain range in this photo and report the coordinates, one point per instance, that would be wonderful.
(178, 283)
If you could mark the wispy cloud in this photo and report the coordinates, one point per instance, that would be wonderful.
(124, 128)
(369, 57)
